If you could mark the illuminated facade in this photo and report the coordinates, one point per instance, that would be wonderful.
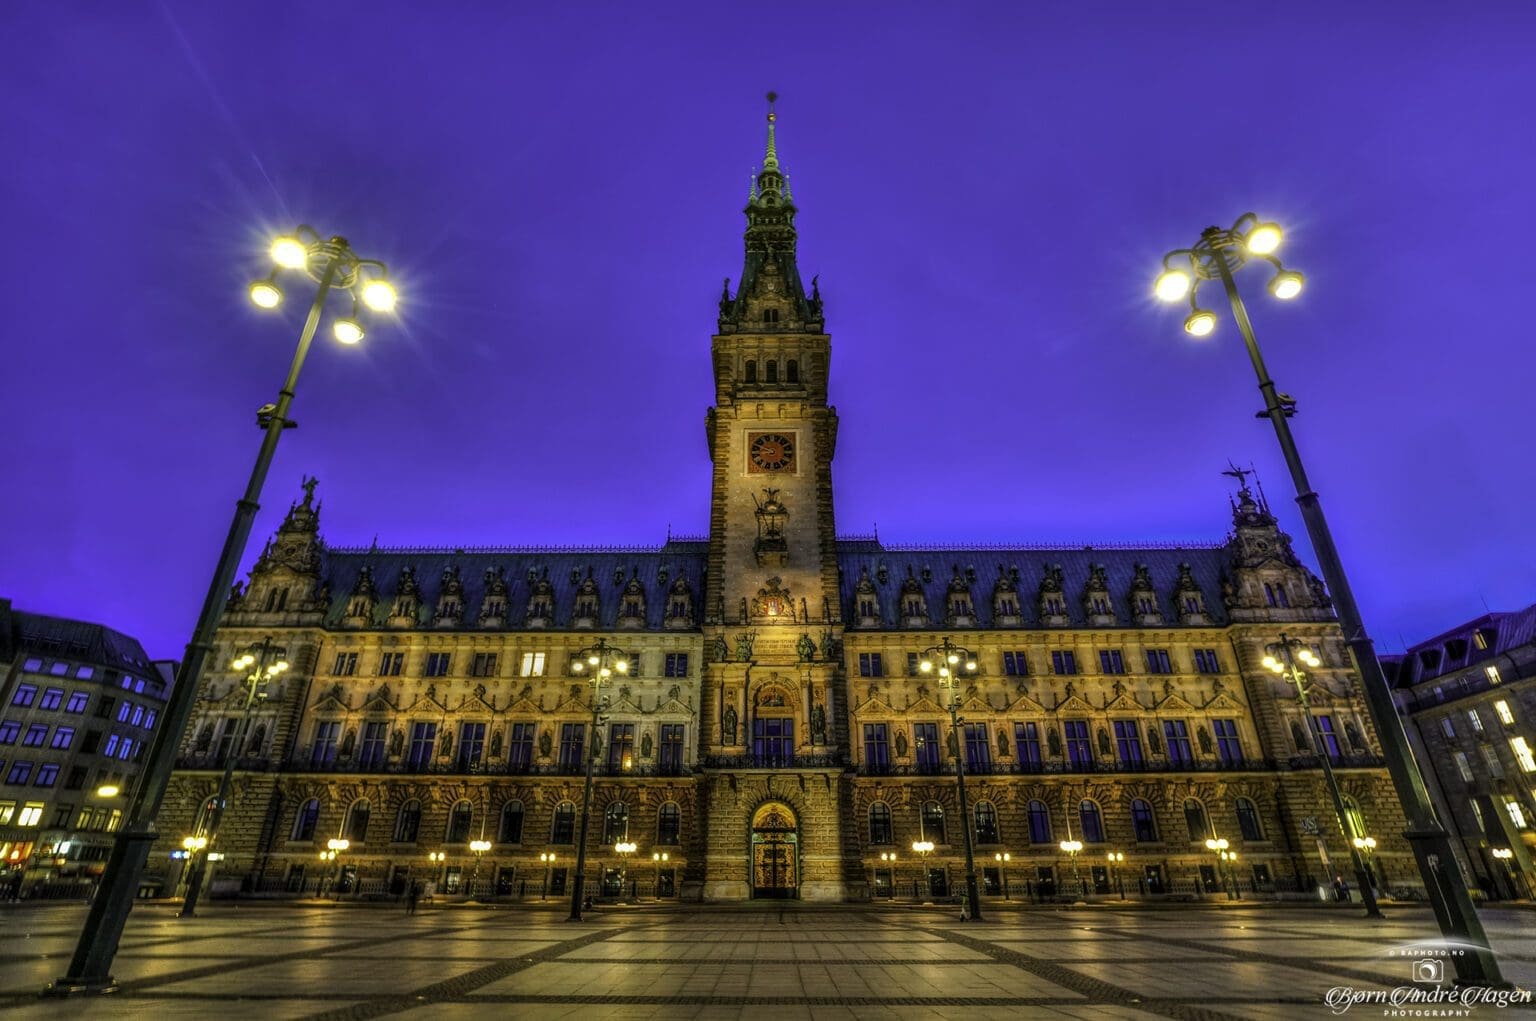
(775, 738)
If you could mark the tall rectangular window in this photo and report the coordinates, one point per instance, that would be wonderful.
(1079, 749)
(675, 664)
(978, 753)
(471, 744)
(20, 773)
(925, 747)
(1128, 742)
(1491, 760)
(438, 663)
(1206, 661)
(1111, 661)
(483, 665)
(1176, 737)
(1063, 662)
(671, 752)
(1228, 748)
(869, 665)
(345, 665)
(1506, 715)
(370, 754)
(1464, 767)
(1322, 726)
(323, 752)
(47, 774)
(1523, 755)
(1015, 664)
(10, 730)
(1447, 726)
(36, 734)
(773, 740)
(1492, 673)
(532, 665)
(573, 738)
(520, 748)
(1158, 662)
(63, 737)
(1026, 738)
(51, 698)
(391, 663)
(26, 694)
(76, 702)
(621, 747)
(877, 752)
(423, 745)
(1475, 720)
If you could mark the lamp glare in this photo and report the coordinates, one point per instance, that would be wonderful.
(379, 295)
(289, 253)
(1263, 239)
(266, 294)
(1171, 285)
(348, 331)
(1286, 284)
(1201, 323)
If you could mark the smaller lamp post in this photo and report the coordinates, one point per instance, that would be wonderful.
(1003, 858)
(922, 848)
(889, 857)
(1115, 858)
(1071, 847)
(624, 848)
(950, 662)
(190, 848)
(479, 847)
(1218, 846)
(1229, 858)
(326, 857)
(548, 858)
(336, 847)
(1506, 859)
(1367, 848)
(657, 857)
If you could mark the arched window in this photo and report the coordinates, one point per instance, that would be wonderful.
(1353, 819)
(773, 372)
(356, 829)
(407, 822)
(511, 831)
(306, 818)
(751, 370)
(987, 831)
(1092, 820)
(669, 824)
(616, 823)
(933, 822)
(1039, 823)
(879, 823)
(459, 822)
(564, 829)
(1248, 820)
(791, 371)
(1143, 822)
(1194, 819)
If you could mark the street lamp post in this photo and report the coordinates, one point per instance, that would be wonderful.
(1115, 858)
(337, 847)
(548, 858)
(327, 857)
(1214, 257)
(657, 858)
(889, 857)
(599, 662)
(922, 847)
(1071, 846)
(1367, 848)
(1290, 651)
(1224, 867)
(949, 661)
(1003, 858)
(624, 849)
(261, 672)
(333, 265)
(479, 847)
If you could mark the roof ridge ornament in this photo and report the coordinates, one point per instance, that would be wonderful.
(771, 159)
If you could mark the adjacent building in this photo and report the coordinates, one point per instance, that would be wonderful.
(78, 707)
(1469, 698)
(775, 734)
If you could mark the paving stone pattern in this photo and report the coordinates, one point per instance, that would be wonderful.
(781, 961)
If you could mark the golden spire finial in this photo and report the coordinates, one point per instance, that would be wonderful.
(772, 158)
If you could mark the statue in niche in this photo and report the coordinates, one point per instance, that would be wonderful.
(396, 742)
(1167, 689)
(348, 742)
(954, 744)
(432, 693)
(743, 612)
(1119, 689)
(1204, 737)
(645, 745)
(1106, 750)
(805, 648)
(675, 693)
(1217, 687)
(1070, 690)
(1352, 733)
(496, 745)
(1002, 744)
(818, 724)
(1154, 743)
(728, 725)
(901, 743)
(828, 646)
(744, 643)
(721, 649)
(544, 744)
(445, 746)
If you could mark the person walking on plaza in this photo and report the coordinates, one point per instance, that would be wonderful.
(411, 897)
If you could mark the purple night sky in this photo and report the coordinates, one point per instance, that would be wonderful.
(985, 190)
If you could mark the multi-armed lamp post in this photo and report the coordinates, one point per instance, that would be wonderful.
(261, 671)
(1216, 256)
(1290, 651)
(599, 662)
(331, 263)
(949, 661)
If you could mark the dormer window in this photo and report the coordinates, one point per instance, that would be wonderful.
(914, 608)
(538, 608)
(866, 608)
(1099, 605)
(770, 315)
(632, 608)
(1456, 650)
(1484, 637)
(1053, 606)
(1191, 604)
(586, 606)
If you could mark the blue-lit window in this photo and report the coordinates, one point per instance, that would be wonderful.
(1026, 738)
(1079, 749)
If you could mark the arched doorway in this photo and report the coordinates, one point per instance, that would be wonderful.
(775, 852)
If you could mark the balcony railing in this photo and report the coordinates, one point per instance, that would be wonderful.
(407, 768)
(1037, 768)
(826, 761)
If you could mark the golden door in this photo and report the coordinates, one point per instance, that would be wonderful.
(773, 868)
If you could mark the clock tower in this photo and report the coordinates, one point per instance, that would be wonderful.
(773, 719)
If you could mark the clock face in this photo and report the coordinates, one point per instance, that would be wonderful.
(770, 452)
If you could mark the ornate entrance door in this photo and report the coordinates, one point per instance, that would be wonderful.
(775, 858)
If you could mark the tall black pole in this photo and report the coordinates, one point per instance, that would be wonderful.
(90, 970)
(603, 653)
(1361, 877)
(945, 650)
(1443, 882)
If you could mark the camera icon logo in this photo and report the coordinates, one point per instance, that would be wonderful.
(1429, 970)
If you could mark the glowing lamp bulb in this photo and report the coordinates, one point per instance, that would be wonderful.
(1263, 239)
(1286, 284)
(266, 294)
(1171, 285)
(379, 295)
(289, 253)
(1200, 323)
(348, 331)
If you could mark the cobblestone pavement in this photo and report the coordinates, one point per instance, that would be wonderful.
(759, 960)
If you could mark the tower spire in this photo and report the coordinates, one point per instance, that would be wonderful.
(771, 159)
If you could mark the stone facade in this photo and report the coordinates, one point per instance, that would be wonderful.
(770, 738)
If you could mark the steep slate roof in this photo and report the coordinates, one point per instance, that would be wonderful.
(1207, 564)
(523, 566)
(78, 640)
(1514, 629)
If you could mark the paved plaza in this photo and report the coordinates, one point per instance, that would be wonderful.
(760, 960)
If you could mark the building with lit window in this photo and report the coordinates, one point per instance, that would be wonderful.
(78, 707)
(1469, 699)
(775, 735)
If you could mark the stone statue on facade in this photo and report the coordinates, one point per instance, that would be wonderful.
(806, 648)
(728, 726)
